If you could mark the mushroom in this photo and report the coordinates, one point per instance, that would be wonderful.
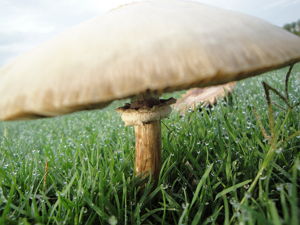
(140, 51)
(203, 97)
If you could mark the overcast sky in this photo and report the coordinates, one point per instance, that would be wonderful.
(27, 23)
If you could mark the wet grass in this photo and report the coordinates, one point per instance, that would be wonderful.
(227, 165)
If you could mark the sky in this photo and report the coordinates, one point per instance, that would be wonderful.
(25, 24)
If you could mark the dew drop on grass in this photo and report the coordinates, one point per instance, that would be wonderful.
(263, 178)
(112, 220)
(246, 186)
(184, 205)
(85, 210)
(164, 186)
(279, 187)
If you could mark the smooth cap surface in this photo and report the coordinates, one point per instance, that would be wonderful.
(159, 46)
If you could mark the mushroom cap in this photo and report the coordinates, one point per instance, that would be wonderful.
(150, 46)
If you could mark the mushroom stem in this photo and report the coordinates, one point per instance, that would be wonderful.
(145, 115)
(148, 149)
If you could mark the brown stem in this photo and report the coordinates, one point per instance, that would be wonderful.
(145, 113)
(148, 149)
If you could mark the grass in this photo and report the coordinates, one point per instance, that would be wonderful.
(228, 165)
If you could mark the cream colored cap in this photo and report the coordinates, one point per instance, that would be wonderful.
(158, 45)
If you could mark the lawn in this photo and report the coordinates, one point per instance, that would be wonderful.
(231, 164)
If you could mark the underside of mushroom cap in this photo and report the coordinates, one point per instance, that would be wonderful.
(143, 115)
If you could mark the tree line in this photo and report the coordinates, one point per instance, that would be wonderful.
(293, 27)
